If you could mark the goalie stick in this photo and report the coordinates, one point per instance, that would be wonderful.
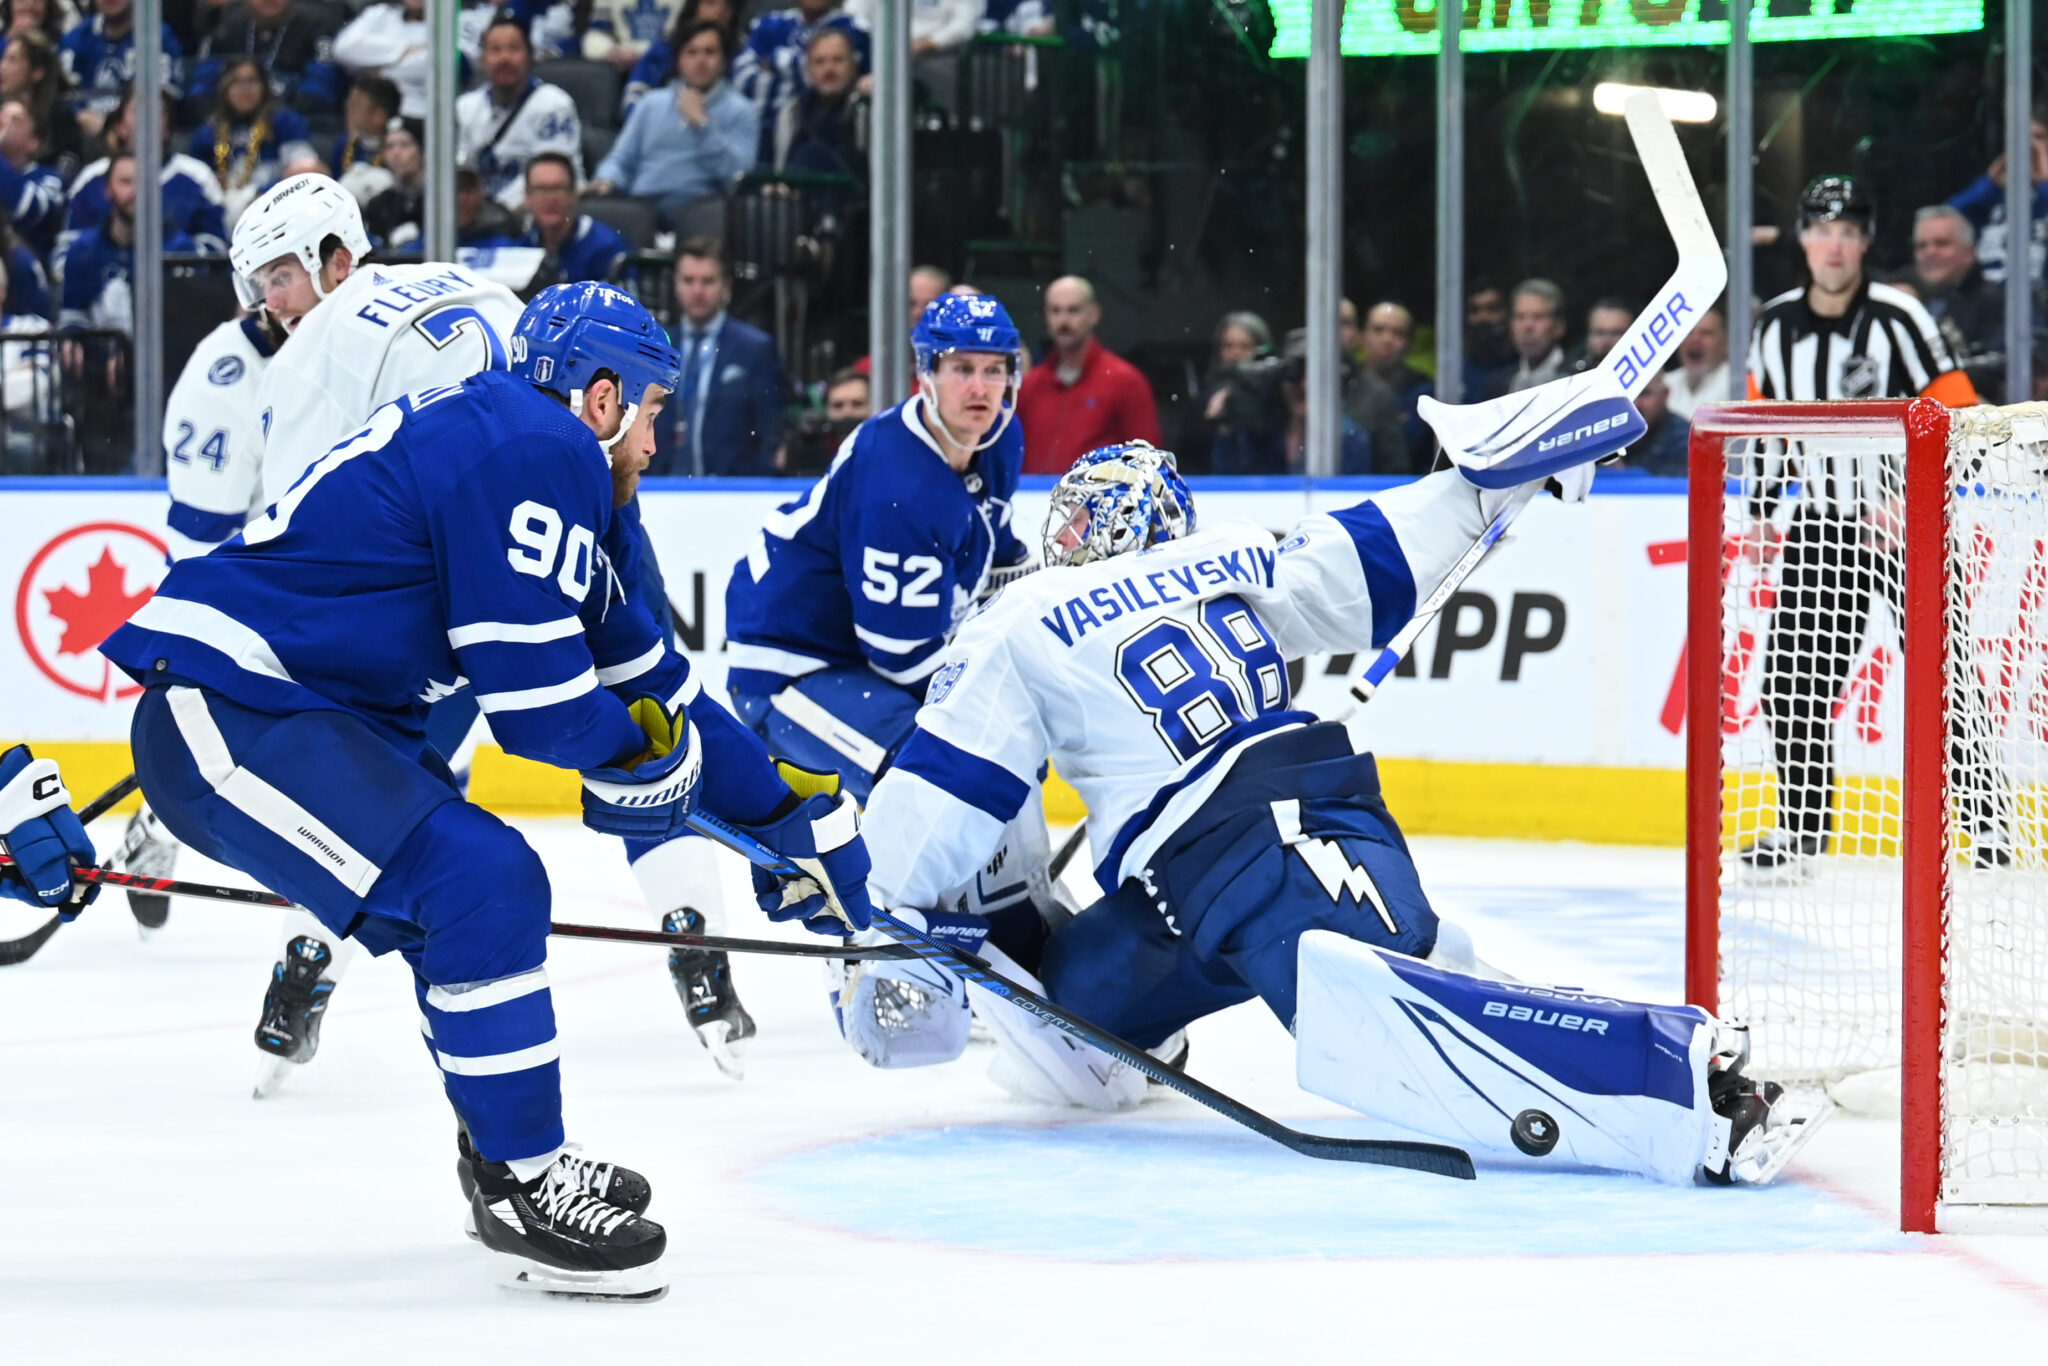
(1524, 438)
(249, 896)
(20, 950)
(1436, 1158)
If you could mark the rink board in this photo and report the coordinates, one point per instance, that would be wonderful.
(1546, 703)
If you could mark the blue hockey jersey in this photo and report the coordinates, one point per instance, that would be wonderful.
(592, 252)
(34, 200)
(99, 68)
(192, 203)
(878, 563)
(458, 540)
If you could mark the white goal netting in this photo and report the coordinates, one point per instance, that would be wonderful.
(1812, 681)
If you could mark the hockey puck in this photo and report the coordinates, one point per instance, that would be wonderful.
(1534, 1132)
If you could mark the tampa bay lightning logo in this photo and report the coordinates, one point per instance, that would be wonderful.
(943, 681)
(1294, 542)
(226, 370)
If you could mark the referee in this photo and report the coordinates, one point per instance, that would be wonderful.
(1839, 336)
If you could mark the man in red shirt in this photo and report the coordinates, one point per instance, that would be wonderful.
(1080, 396)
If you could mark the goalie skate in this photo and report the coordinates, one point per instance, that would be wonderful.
(703, 980)
(1767, 1126)
(548, 1236)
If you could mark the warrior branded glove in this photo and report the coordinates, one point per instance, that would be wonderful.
(42, 835)
(1002, 576)
(648, 796)
(822, 837)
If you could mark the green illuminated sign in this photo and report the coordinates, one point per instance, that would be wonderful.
(1387, 28)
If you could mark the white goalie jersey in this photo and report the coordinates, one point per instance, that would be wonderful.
(213, 437)
(1142, 677)
(386, 331)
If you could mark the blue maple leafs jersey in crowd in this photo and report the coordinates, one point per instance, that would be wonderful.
(457, 540)
(99, 68)
(877, 563)
(34, 200)
(193, 203)
(1144, 678)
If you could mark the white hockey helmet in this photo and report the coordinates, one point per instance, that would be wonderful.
(292, 218)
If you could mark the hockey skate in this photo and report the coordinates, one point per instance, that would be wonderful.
(147, 850)
(1766, 1124)
(703, 979)
(290, 1030)
(613, 1184)
(550, 1236)
(1779, 851)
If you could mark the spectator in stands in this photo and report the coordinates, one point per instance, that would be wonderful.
(99, 61)
(822, 131)
(769, 69)
(1489, 354)
(513, 116)
(293, 42)
(480, 220)
(1240, 355)
(250, 138)
(359, 149)
(726, 414)
(31, 194)
(849, 401)
(938, 30)
(395, 217)
(927, 282)
(1663, 449)
(1388, 337)
(1264, 421)
(1536, 327)
(578, 246)
(1081, 396)
(32, 71)
(685, 145)
(193, 205)
(1024, 18)
(1950, 282)
(51, 18)
(99, 266)
(389, 40)
(1982, 201)
(28, 381)
(1350, 337)
(1606, 324)
(620, 32)
(1702, 373)
(655, 64)
(28, 281)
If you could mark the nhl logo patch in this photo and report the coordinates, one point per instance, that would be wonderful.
(226, 370)
(943, 681)
(1859, 377)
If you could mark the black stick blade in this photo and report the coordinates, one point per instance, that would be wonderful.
(1438, 1159)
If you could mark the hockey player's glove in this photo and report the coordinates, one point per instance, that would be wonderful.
(821, 835)
(1002, 576)
(42, 835)
(647, 796)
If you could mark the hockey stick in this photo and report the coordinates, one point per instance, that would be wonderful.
(20, 950)
(1435, 1158)
(249, 896)
(1527, 436)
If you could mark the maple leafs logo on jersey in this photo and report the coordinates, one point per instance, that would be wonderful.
(90, 617)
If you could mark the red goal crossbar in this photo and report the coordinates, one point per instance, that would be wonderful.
(1923, 425)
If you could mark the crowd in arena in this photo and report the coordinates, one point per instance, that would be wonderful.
(600, 133)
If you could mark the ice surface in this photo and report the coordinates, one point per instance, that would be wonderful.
(150, 1211)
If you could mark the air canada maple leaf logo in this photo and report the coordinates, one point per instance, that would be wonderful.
(76, 590)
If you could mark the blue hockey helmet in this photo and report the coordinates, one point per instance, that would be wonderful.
(968, 323)
(1115, 500)
(571, 332)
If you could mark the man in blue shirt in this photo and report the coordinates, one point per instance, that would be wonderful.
(463, 538)
(99, 60)
(581, 247)
(99, 265)
(727, 418)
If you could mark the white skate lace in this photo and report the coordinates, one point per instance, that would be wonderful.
(562, 1200)
(592, 1178)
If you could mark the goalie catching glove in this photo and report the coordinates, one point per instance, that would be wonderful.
(43, 836)
(820, 835)
(647, 796)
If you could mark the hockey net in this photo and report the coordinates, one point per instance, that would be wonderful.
(1868, 802)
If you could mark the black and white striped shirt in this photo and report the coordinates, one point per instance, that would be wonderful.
(1886, 345)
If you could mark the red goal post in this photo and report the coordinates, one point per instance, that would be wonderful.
(1867, 698)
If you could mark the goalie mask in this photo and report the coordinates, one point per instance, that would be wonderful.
(1115, 500)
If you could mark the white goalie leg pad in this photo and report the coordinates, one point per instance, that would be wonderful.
(685, 872)
(900, 1012)
(1561, 1076)
(300, 921)
(1037, 1062)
